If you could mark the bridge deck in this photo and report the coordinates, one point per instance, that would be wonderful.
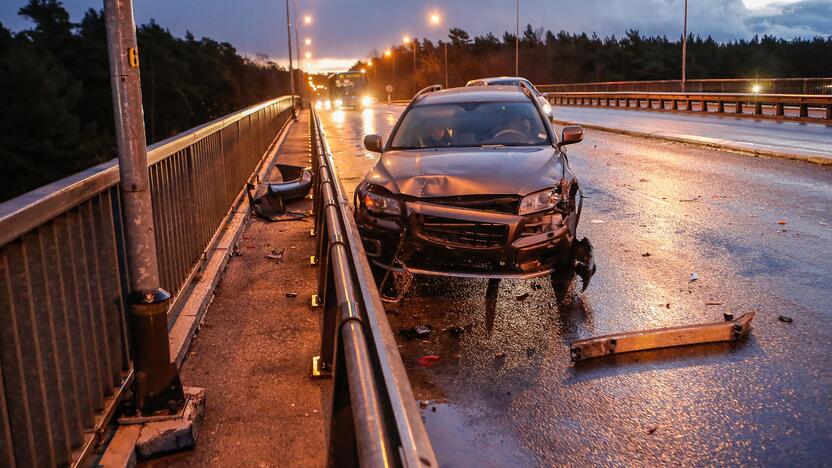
(253, 349)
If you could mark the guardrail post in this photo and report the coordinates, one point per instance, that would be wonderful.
(804, 111)
(758, 108)
(704, 106)
(738, 107)
(778, 109)
(157, 385)
(720, 107)
(674, 105)
(829, 112)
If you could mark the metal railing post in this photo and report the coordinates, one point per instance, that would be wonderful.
(157, 385)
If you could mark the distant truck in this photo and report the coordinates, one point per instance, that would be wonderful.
(349, 90)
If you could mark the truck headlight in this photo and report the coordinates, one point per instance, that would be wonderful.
(366, 101)
(338, 103)
(538, 201)
(380, 204)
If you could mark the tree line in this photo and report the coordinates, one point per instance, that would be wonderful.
(546, 58)
(57, 114)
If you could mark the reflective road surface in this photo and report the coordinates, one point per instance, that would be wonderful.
(757, 232)
(804, 139)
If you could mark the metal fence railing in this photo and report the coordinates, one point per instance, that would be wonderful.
(374, 418)
(64, 349)
(808, 108)
(733, 85)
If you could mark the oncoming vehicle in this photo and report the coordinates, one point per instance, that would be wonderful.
(348, 90)
(514, 81)
(473, 182)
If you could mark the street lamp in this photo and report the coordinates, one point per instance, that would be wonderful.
(684, 46)
(308, 55)
(517, 40)
(408, 40)
(435, 20)
(307, 41)
(389, 53)
(307, 19)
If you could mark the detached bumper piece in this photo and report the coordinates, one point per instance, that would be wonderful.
(271, 205)
(729, 330)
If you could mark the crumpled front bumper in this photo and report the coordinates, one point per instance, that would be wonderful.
(452, 241)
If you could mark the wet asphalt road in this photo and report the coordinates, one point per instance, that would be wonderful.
(766, 400)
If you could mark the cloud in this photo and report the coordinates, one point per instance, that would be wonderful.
(347, 29)
(807, 18)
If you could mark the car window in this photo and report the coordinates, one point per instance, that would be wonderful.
(471, 124)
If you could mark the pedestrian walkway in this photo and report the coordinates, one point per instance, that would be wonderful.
(253, 352)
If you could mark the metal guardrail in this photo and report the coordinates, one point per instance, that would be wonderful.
(730, 85)
(780, 106)
(65, 355)
(375, 421)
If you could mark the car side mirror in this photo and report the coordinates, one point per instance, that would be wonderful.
(570, 135)
(373, 143)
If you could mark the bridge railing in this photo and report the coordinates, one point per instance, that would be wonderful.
(731, 85)
(374, 418)
(65, 355)
(817, 108)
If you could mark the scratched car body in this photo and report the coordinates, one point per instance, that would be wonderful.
(473, 182)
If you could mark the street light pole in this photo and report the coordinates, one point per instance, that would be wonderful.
(684, 46)
(297, 50)
(414, 66)
(291, 73)
(517, 41)
(156, 385)
(446, 65)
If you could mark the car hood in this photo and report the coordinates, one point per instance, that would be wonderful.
(468, 171)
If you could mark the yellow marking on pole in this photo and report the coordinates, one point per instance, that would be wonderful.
(133, 57)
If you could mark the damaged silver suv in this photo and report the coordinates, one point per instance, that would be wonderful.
(473, 182)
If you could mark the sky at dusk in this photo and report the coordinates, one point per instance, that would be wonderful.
(345, 30)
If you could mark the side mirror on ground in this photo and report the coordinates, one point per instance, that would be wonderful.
(570, 135)
(373, 143)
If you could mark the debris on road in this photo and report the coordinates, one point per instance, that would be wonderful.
(530, 352)
(661, 338)
(499, 355)
(291, 294)
(536, 286)
(652, 430)
(694, 199)
(785, 319)
(429, 360)
(456, 331)
(782, 222)
(693, 277)
(713, 303)
(645, 254)
(419, 331)
(276, 255)
(597, 221)
(522, 297)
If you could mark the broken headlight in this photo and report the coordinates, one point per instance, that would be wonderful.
(381, 204)
(538, 201)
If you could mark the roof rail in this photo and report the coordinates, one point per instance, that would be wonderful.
(429, 89)
(526, 89)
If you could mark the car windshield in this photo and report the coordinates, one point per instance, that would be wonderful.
(471, 124)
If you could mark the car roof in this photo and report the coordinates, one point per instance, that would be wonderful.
(501, 78)
(473, 94)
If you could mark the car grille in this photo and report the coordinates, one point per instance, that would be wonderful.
(497, 204)
(470, 234)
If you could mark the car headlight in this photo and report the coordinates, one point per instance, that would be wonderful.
(381, 204)
(366, 101)
(338, 103)
(547, 108)
(538, 201)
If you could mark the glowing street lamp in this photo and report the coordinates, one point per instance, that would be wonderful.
(307, 19)
(435, 20)
(388, 53)
(408, 40)
(308, 55)
(308, 41)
